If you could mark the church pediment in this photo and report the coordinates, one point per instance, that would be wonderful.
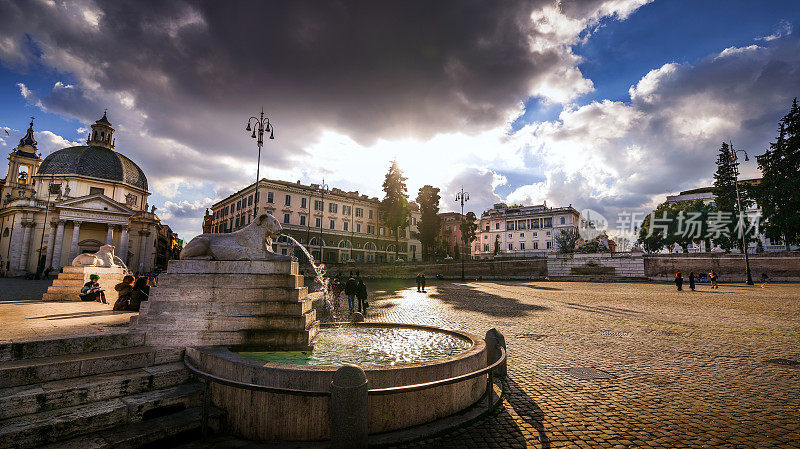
(95, 203)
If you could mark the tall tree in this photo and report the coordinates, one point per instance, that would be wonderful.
(777, 194)
(567, 240)
(429, 224)
(682, 222)
(725, 198)
(395, 204)
(468, 227)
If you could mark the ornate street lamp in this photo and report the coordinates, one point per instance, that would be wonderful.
(261, 125)
(322, 189)
(732, 161)
(462, 197)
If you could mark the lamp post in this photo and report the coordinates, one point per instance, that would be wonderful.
(732, 160)
(462, 197)
(261, 125)
(323, 189)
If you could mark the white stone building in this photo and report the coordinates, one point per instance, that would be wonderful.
(522, 231)
(74, 201)
(706, 194)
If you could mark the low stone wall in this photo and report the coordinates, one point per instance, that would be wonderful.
(783, 266)
(596, 265)
(473, 269)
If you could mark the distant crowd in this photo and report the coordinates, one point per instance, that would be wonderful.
(711, 277)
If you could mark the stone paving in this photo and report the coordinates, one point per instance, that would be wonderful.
(690, 369)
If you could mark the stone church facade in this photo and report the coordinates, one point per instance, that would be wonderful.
(72, 202)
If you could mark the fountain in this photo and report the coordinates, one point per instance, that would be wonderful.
(248, 327)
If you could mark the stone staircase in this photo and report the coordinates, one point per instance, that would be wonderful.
(103, 391)
(67, 286)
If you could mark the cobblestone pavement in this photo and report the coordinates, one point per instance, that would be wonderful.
(24, 316)
(690, 369)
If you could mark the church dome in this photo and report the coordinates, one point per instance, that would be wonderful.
(96, 162)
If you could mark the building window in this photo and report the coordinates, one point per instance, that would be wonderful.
(345, 226)
(511, 236)
(563, 220)
(237, 222)
(497, 225)
(381, 231)
(303, 202)
(318, 205)
(522, 246)
(238, 205)
(285, 251)
(522, 225)
(510, 225)
(370, 214)
(486, 247)
(535, 245)
(547, 233)
(97, 191)
(287, 201)
(302, 220)
(358, 227)
(510, 246)
(270, 197)
(359, 212)
(370, 229)
(332, 224)
(287, 218)
(548, 222)
(487, 228)
(317, 222)
(549, 245)
(536, 234)
(333, 208)
(522, 235)
(346, 209)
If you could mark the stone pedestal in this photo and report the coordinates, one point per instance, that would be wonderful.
(67, 286)
(234, 303)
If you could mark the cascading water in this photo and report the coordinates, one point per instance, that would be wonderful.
(319, 277)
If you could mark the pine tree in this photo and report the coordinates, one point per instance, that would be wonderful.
(468, 227)
(395, 204)
(777, 193)
(725, 197)
(429, 224)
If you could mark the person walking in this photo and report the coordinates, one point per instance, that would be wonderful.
(712, 276)
(419, 282)
(91, 290)
(679, 281)
(124, 288)
(350, 289)
(691, 280)
(764, 279)
(422, 282)
(361, 294)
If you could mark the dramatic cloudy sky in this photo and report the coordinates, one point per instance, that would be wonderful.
(602, 104)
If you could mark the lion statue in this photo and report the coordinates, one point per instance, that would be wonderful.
(104, 257)
(253, 242)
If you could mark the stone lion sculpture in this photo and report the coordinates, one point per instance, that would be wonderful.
(104, 257)
(253, 242)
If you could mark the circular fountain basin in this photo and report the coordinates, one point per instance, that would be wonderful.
(391, 355)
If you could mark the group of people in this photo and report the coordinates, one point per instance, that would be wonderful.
(131, 292)
(354, 289)
(713, 277)
(421, 282)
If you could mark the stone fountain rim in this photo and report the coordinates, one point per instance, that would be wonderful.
(478, 345)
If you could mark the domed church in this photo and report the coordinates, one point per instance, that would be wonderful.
(72, 202)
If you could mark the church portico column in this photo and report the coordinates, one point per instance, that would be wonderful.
(110, 235)
(26, 244)
(73, 247)
(144, 235)
(57, 245)
(51, 240)
(123, 245)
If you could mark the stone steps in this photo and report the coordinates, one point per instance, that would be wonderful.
(43, 369)
(276, 340)
(35, 398)
(167, 431)
(229, 281)
(71, 283)
(232, 294)
(68, 345)
(215, 323)
(221, 308)
(63, 423)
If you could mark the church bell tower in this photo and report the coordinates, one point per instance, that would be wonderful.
(23, 164)
(102, 134)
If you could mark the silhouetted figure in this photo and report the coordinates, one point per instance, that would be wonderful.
(679, 281)
(691, 280)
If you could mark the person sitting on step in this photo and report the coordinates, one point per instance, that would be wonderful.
(91, 290)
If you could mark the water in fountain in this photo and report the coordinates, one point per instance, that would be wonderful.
(319, 277)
